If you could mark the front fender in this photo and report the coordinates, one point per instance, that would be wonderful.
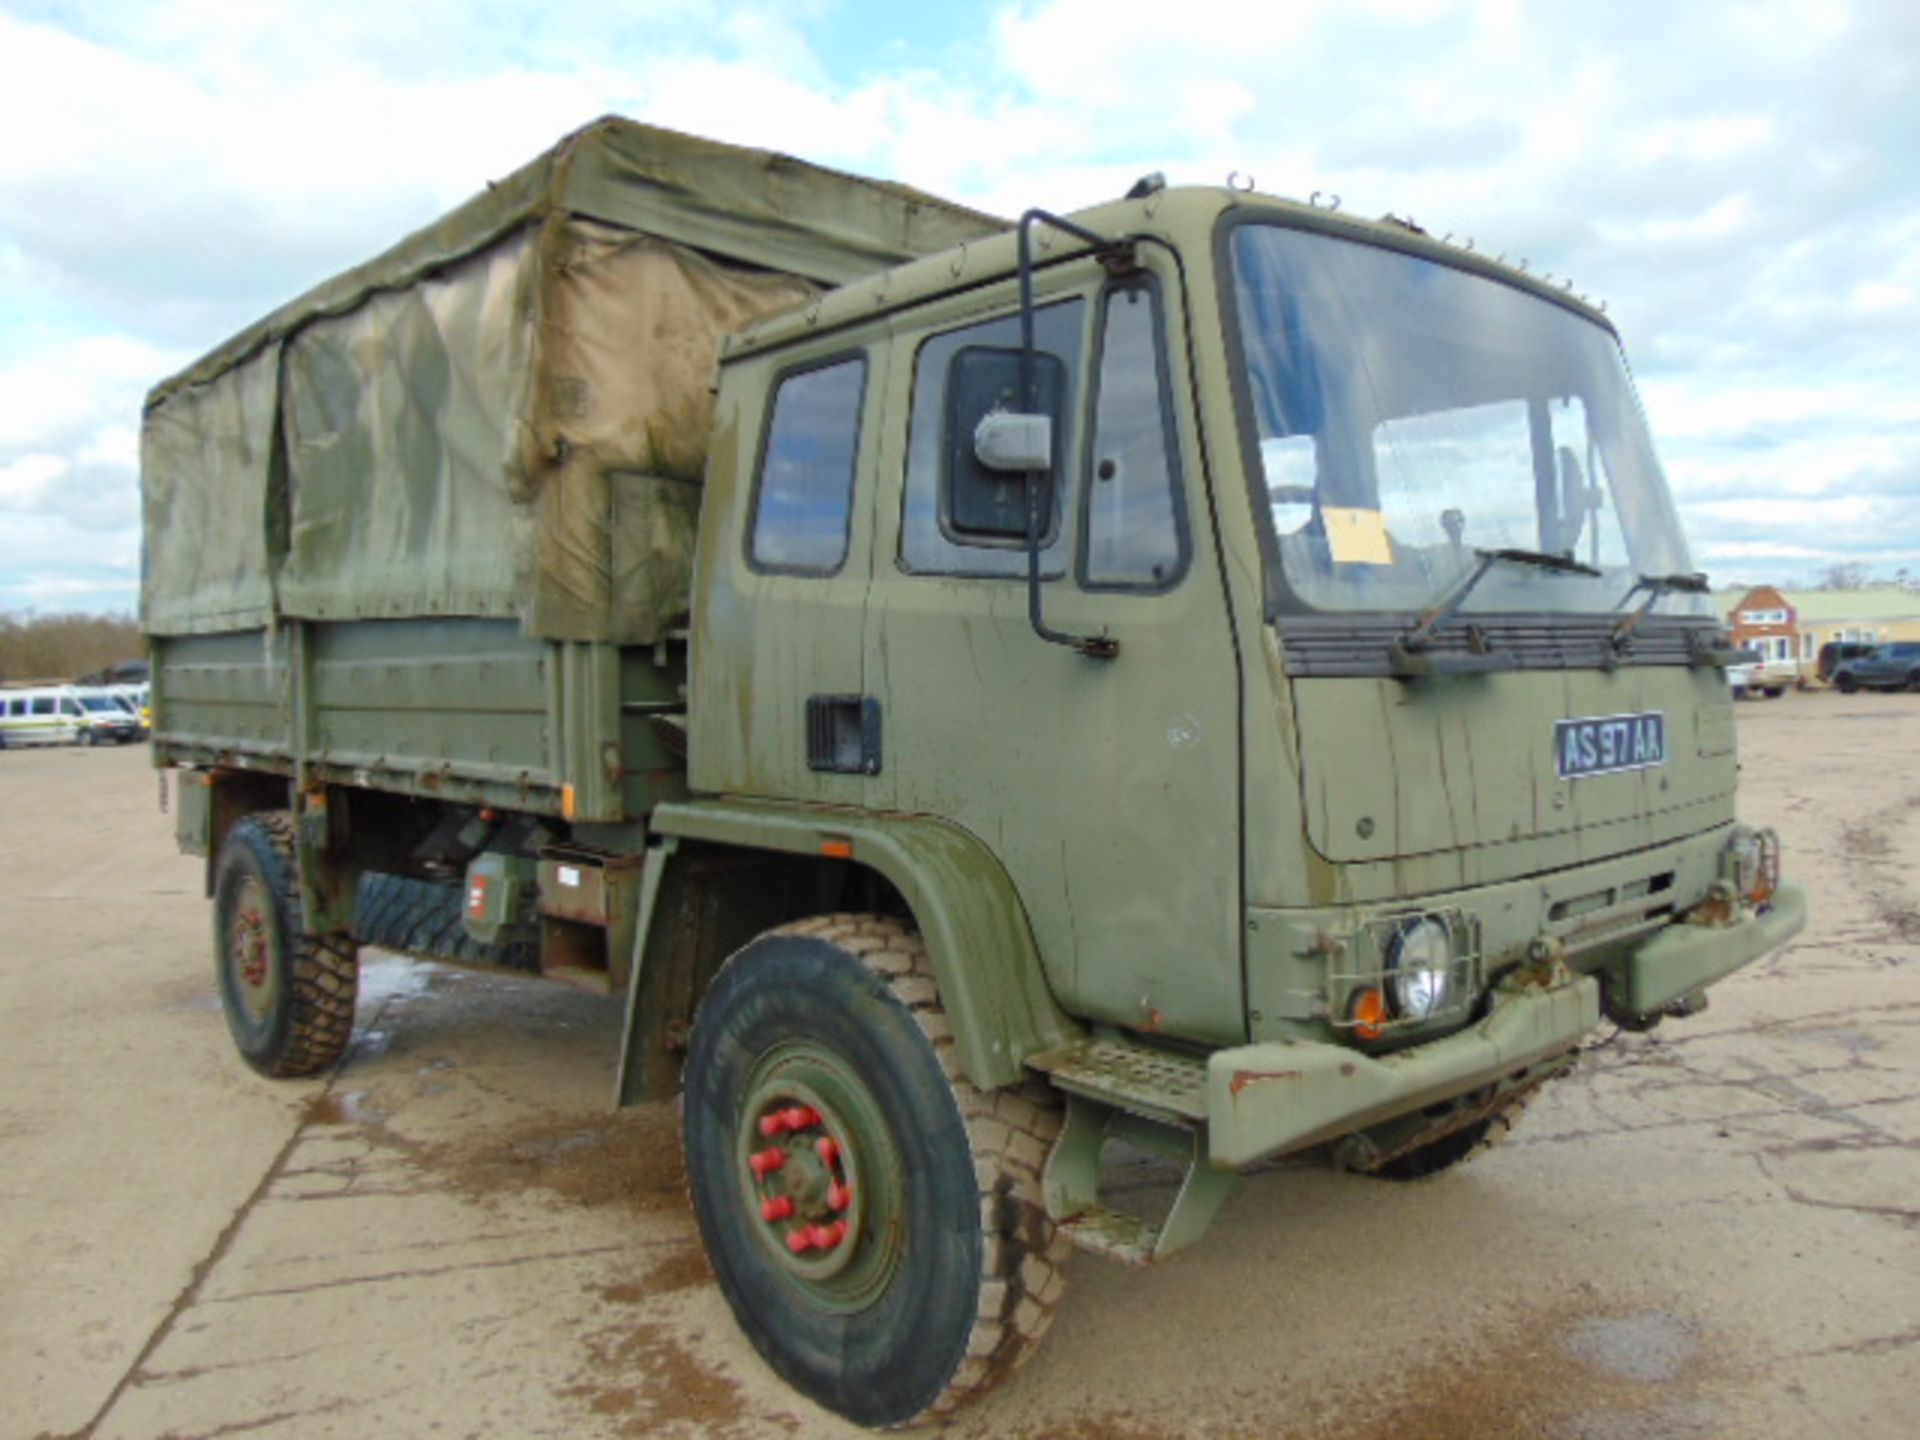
(978, 939)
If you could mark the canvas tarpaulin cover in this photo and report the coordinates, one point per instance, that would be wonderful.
(506, 414)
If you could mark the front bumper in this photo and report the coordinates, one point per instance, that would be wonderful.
(1285, 1094)
(1681, 959)
(1281, 1095)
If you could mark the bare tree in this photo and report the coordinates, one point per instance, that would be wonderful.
(61, 647)
(1844, 575)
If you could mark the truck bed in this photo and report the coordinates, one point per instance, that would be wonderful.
(460, 709)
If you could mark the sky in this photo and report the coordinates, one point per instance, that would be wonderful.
(1738, 179)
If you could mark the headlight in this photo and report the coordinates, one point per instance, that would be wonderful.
(1420, 970)
(1752, 863)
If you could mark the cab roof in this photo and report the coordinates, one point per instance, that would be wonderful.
(1189, 213)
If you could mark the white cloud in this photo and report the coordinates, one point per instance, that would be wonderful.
(1737, 177)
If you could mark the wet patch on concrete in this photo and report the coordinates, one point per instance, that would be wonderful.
(631, 1157)
(1651, 1346)
(645, 1381)
(1634, 1373)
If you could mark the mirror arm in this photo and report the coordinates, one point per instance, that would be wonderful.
(1098, 647)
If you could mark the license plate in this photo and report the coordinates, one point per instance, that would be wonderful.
(1608, 744)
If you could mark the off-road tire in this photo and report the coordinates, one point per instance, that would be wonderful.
(426, 918)
(296, 1017)
(1457, 1147)
(978, 1275)
(1845, 684)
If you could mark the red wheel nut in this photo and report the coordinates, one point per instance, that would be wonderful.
(826, 1237)
(801, 1117)
(800, 1241)
(828, 1148)
(774, 1124)
(839, 1196)
(777, 1208)
(764, 1162)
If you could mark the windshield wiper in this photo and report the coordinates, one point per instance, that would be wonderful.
(1656, 586)
(1407, 652)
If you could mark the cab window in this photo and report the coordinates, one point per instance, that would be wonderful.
(803, 498)
(958, 518)
(1135, 530)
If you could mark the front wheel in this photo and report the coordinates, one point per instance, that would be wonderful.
(875, 1221)
(288, 996)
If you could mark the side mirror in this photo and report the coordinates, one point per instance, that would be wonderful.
(1008, 442)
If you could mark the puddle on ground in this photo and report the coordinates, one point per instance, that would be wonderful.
(385, 977)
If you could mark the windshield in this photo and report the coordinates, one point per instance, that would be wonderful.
(1409, 414)
(96, 704)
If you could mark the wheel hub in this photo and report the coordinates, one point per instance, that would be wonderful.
(250, 950)
(821, 1178)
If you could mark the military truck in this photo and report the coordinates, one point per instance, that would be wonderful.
(1207, 674)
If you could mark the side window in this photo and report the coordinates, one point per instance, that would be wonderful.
(958, 376)
(43, 705)
(804, 497)
(1135, 534)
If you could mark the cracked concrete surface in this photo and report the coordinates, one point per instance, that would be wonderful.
(1712, 1230)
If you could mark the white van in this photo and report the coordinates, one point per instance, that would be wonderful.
(105, 715)
(39, 715)
(63, 715)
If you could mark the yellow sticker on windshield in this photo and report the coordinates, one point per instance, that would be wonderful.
(1357, 537)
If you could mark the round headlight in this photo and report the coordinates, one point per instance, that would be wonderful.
(1746, 859)
(1420, 969)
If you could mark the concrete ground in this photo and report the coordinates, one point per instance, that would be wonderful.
(1713, 1230)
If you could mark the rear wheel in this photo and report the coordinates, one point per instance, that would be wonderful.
(86, 736)
(1846, 684)
(288, 996)
(875, 1221)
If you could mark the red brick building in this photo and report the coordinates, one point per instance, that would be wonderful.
(1763, 620)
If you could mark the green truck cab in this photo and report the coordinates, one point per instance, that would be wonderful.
(1207, 672)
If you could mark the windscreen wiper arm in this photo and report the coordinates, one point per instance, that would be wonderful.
(1417, 637)
(1656, 586)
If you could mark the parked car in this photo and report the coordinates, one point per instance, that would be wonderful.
(1885, 667)
(1836, 653)
(1760, 677)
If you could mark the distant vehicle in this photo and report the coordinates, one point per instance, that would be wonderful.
(1835, 653)
(1760, 677)
(132, 699)
(39, 715)
(105, 718)
(1885, 667)
(64, 715)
